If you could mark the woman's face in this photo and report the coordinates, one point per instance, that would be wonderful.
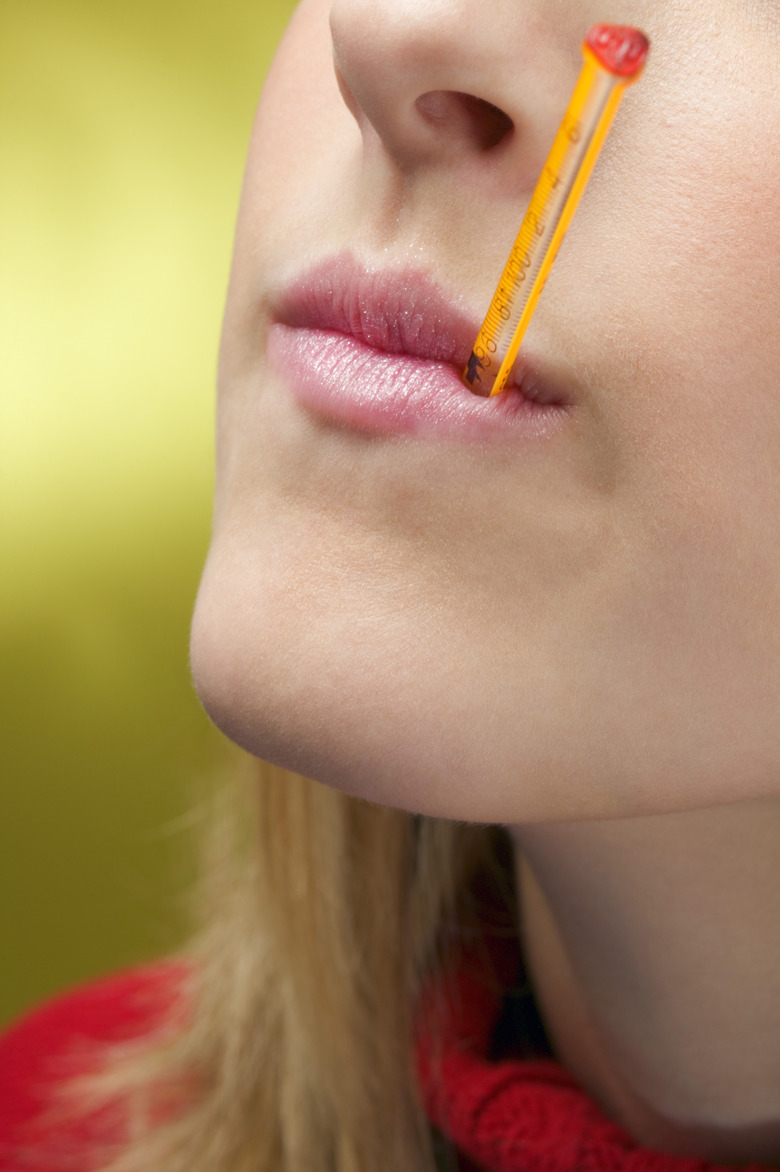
(563, 602)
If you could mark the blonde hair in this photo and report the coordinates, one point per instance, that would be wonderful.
(323, 916)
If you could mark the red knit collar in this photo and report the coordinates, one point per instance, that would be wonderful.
(514, 1115)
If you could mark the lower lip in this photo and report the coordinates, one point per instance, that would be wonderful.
(348, 383)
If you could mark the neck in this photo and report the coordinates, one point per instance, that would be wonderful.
(654, 948)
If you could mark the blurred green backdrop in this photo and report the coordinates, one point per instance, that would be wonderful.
(122, 134)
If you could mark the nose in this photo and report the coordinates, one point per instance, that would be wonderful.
(449, 81)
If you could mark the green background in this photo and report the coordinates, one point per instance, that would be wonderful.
(123, 129)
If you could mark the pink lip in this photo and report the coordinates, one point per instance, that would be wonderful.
(382, 352)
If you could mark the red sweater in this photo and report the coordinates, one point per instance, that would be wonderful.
(503, 1116)
(61, 1041)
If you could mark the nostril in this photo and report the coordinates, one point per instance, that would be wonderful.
(490, 123)
(463, 116)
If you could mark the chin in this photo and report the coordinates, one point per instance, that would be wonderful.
(398, 707)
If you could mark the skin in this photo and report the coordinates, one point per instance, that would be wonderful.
(579, 637)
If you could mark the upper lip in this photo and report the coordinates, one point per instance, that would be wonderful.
(398, 311)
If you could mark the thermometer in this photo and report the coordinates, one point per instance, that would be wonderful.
(613, 59)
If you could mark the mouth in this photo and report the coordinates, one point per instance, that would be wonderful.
(382, 352)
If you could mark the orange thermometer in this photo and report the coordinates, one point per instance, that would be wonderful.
(614, 59)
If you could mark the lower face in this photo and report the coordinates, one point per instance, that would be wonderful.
(564, 602)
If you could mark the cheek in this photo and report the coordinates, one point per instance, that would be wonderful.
(679, 255)
(300, 137)
(680, 258)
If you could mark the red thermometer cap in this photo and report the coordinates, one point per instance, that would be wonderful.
(619, 50)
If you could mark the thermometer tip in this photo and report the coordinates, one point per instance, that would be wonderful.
(620, 50)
